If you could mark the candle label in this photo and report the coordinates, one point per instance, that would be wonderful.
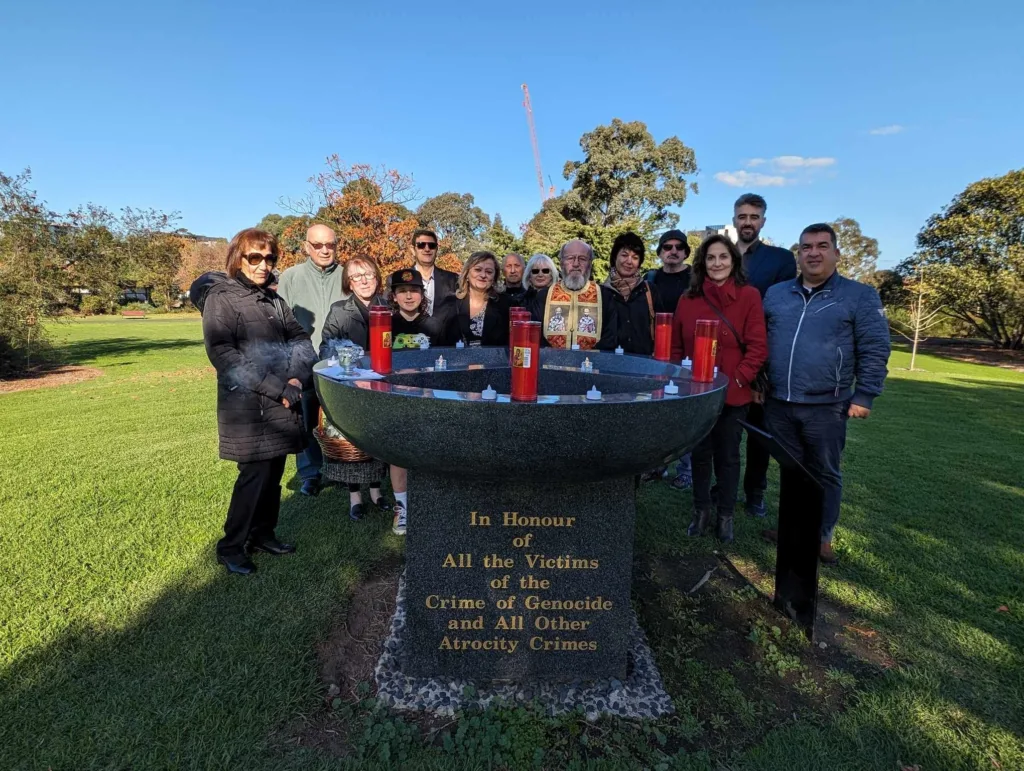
(385, 339)
(521, 357)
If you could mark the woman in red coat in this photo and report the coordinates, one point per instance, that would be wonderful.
(719, 291)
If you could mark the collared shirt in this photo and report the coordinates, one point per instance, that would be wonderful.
(428, 290)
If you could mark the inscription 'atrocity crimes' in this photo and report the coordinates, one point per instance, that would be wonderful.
(529, 602)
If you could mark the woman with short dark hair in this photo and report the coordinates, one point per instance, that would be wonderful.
(263, 359)
(719, 292)
(477, 314)
(635, 298)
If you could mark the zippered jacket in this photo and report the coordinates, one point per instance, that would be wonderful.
(831, 346)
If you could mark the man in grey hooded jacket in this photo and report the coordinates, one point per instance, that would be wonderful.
(310, 288)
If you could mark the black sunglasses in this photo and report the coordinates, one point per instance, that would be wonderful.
(317, 246)
(256, 258)
(673, 247)
(535, 271)
(426, 245)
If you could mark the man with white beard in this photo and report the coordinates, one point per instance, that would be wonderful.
(568, 309)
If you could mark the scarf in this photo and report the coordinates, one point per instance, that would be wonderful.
(624, 286)
(721, 296)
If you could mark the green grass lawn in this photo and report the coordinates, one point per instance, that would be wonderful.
(123, 645)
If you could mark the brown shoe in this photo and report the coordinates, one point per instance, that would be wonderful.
(828, 556)
(772, 536)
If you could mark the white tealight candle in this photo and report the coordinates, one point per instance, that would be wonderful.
(619, 351)
(489, 393)
(575, 346)
(440, 363)
(671, 388)
(715, 373)
(333, 361)
(686, 363)
(459, 344)
(593, 394)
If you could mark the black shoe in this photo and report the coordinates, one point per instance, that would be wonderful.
(699, 523)
(383, 504)
(725, 528)
(755, 507)
(272, 546)
(355, 513)
(243, 566)
(310, 487)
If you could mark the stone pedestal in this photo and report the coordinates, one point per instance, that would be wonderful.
(518, 580)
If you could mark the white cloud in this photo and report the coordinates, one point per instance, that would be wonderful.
(755, 162)
(884, 131)
(751, 179)
(790, 162)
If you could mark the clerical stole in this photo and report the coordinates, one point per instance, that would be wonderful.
(573, 317)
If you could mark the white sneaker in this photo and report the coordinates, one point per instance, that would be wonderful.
(398, 524)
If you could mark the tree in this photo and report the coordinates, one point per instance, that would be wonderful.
(500, 240)
(457, 220)
(198, 257)
(290, 230)
(366, 207)
(891, 289)
(973, 252)
(626, 176)
(858, 254)
(32, 277)
(922, 312)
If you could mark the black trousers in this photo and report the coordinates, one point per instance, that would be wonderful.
(755, 478)
(255, 504)
(721, 449)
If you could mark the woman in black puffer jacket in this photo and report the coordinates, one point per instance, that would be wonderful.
(263, 359)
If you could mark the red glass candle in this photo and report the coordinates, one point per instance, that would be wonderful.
(514, 315)
(525, 360)
(380, 339)
(705, 348)
(662, 336)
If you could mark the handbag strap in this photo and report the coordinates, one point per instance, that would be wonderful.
(743, 346)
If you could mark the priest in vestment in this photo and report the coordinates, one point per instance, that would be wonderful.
(576, 310)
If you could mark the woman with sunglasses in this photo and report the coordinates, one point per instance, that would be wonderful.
(263, 359)
(349, 319)
(540, 273)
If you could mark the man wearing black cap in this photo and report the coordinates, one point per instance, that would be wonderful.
(672, 279)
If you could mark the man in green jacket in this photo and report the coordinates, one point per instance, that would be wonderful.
(310, 288)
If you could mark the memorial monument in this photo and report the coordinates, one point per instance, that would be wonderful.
(520, 543)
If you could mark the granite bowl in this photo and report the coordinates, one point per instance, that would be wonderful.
(423, 417)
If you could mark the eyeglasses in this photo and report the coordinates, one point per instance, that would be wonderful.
(535, 271)
(572, 258)
(256, 258)
(673, 248)
(360, 277)
(426, 245)
(328, 245)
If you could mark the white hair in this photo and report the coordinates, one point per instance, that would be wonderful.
(540, 260)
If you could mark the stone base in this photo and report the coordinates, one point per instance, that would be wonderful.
(639, 695)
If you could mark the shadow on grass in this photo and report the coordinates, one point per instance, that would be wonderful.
(205, 675)
(88, 351)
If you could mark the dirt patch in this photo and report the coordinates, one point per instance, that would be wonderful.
(50, 378)
(974, 352)
(735, 667)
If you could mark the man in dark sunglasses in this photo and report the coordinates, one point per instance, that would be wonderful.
(673, 277)
(438, 284)
(310, 288)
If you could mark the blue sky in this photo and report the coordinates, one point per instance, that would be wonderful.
(877, 111)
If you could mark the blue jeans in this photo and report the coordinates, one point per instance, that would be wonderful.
(814, 434)
(309, 461)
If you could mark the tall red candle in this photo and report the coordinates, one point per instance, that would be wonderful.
(662, 336)
(380, 339)
(514, 315)
(525, 360)
(705, 348)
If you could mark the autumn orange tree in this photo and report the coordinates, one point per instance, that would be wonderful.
(367, 208)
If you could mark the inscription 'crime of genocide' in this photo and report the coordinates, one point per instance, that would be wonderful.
(512, 617)
(544, 591)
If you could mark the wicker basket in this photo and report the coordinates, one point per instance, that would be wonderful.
(338, 450)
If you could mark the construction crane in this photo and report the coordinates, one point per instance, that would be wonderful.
(545, 193)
